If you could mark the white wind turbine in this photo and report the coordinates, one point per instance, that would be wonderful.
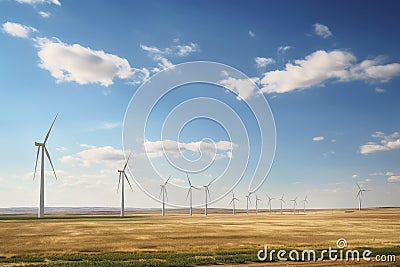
(163, 192)
(42, 146)
(282, 201)
(294, 204)
(190, 193)
(121, 180)
(257, 199)
(247, 202)
(269, 203)
(207, 191)
(359, 194)
(233, 203)
(304, 204)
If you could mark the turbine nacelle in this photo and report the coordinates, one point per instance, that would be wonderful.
(39, 144)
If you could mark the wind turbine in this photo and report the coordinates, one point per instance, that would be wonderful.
(257, 199)
(281, 199)
(247, 202)
(207, 191)
(304, 203)
(294, 205)
(269, 202)
(190, 193)
(233, 203)
(42, 146)
(359, 195)
(122, 177)
(163, 192)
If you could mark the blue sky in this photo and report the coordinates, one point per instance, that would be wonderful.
(329, 70)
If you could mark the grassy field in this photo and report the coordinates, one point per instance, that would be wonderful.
(180, 240)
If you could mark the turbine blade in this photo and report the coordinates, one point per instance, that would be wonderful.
(231, 201)
(358, 186)
(187, 175)
(167, 180)
(160, 191)
(166, 195)
(209, 197)
(128, 181)
(119, 181)
(126, 163)
(48, 133)
(212, 181)
(188, 193)
(37, 158)
(51, 163)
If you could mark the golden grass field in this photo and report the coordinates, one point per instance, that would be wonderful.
(371, 228)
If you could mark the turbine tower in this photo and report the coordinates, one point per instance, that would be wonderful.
(163, 192)
(42, 147)
(247, 202)
(121, 180)
(190, 193)
(294, 204)
(281, 200)
(233, 203)
(304, 204)
(359, 195)
(269, 202)
(257, 199)
(207, 191)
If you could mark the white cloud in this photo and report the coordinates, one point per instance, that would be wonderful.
(156, 149)
(104, 156)
(109, 125)
(283, 49)
(184, 50)
(318, 138)
(389, 173)
(18, 30)
(75, 63)
(386, 143)
(160, 55)
(355, 176)
(251, 34)
(379, 90)
(333, 140)
(61, 149)
(39, 2)
(322, 66)
(394, 179)
(44, 14)
(262, 61)
(245, 88)
(322, 30)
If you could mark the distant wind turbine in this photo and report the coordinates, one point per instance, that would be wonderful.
(207, 191)
(163, 192)
(233, 203)
(269, 203)
(121, 180)
(359, 195)
(44, 150)
(190, 193)
(282, 201)
(304, 204)
(294, 204)
(247, 202)
(257, 199)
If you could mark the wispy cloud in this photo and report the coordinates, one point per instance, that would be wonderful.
(322, 66)
(109, 125)
(318, 138)
(380, 90)
(386, 143)
(252, 34)
(322, 30)
(44, 14)
(283, 49)
(39, 2)
(104, 156)
(18, 30)
(155, 149)
(262, 62)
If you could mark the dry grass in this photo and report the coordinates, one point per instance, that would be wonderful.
(179, 233)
